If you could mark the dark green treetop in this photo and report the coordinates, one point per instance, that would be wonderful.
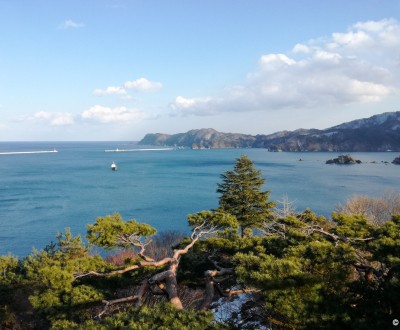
(242, 195)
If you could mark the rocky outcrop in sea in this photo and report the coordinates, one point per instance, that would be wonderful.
(343, 160)
(396, 161)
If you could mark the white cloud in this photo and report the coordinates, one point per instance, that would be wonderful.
(103, 114)
(376, 26)
(182, 102)
(324, 56)
(70, 24)
(273, 61)
(142, 84)
(352, 39)
(377, 37)
(53, 118)
(194, 106)
(111, 90)
(301, 48)
(358, 66)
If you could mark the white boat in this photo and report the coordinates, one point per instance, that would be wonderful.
(114, 166)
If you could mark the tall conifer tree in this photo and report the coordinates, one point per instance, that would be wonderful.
(242, 195)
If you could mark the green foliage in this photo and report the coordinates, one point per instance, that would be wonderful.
(383, 301)
(386, 247)
(10, 281)
(9, 270)
(111, 232)
(352, 226)
(314, 273)
(163, 317)
(212, 220)
(304, 275)
(51, 272)
(242, 195)
(72, 247)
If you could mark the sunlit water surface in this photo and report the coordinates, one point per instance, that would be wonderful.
(42, 194)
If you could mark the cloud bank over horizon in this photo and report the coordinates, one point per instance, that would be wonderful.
(358, 66)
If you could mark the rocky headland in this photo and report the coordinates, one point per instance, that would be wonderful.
(374, 134)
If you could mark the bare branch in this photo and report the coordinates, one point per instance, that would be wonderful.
(158, 263)
(138, 298)
(245, 290)
(337, 237)
(285, 208)
(115, 272)
(142, 249)
(120, 300)
(135, 240)
(196, 229)
(274, 228)
(159, 277)
(197, 233)
(165, 281)
(221, 270)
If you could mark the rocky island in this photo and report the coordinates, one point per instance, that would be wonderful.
(343, 160)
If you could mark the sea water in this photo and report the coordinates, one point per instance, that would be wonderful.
(42, 194)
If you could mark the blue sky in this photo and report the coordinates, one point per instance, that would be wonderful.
(118, 69)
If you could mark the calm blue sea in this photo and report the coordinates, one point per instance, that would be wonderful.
(42, 194)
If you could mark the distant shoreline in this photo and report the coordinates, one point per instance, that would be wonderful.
(375, 134)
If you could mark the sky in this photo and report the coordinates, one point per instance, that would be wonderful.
(114, 70)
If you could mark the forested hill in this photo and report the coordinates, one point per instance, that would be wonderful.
(377, 133)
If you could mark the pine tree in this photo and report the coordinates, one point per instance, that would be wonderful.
(242, 195)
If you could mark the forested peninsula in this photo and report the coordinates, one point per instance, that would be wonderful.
(374, 134)
(251, 263)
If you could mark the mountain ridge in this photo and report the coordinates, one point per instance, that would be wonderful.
(377, 133)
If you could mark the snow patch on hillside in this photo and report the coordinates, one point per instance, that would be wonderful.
(229, 309)
(369, 122)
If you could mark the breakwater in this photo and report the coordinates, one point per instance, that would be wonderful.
(28, 152)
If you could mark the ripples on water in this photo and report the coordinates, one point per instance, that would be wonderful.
(42, 194)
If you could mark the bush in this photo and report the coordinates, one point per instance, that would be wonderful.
(375, 210)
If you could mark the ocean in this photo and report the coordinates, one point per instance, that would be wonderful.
(42, 194)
